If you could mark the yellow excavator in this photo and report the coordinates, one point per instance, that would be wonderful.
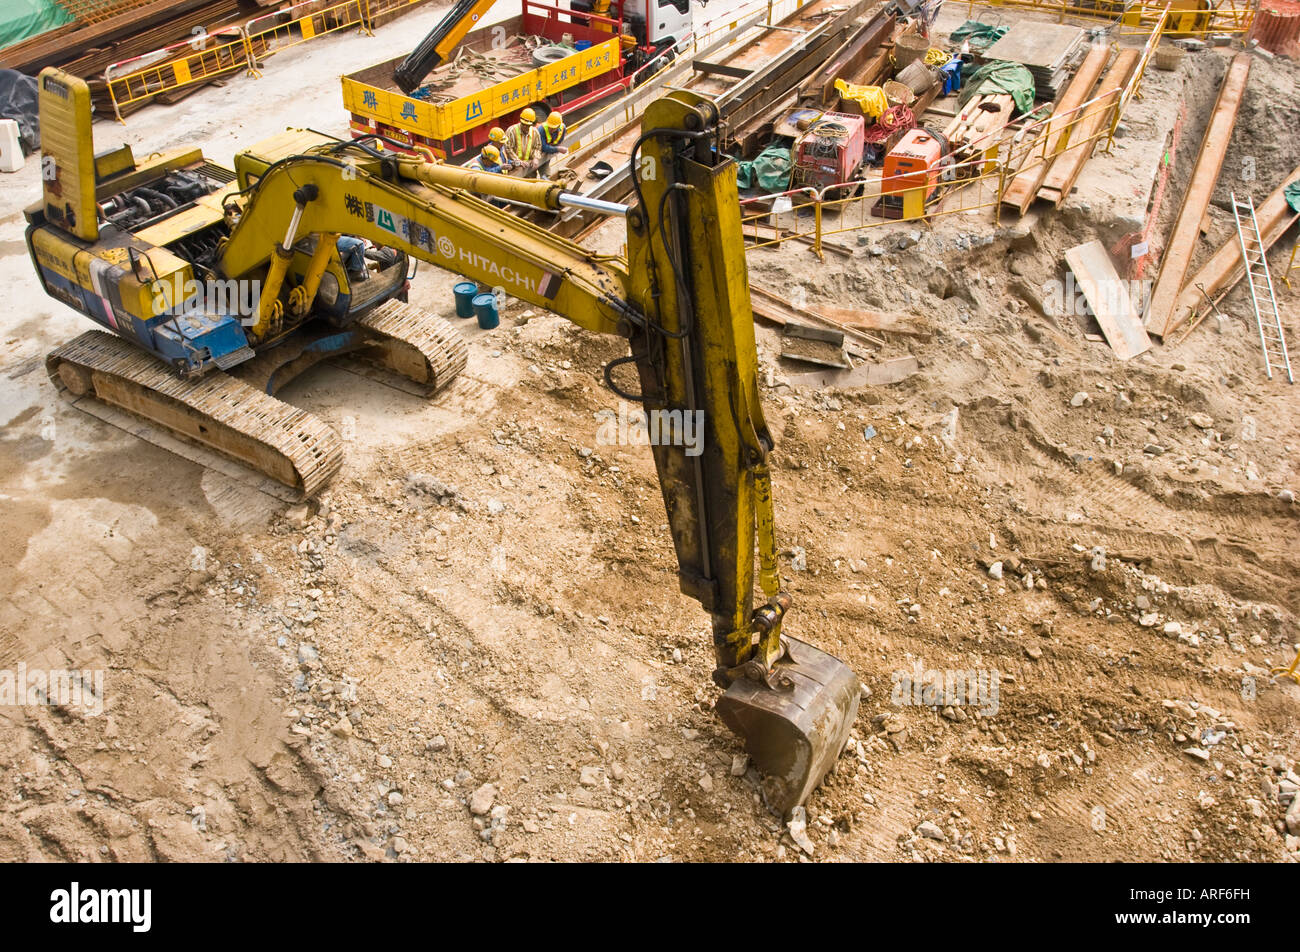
(116, 239)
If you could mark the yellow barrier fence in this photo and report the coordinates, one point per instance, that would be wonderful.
(201, 59)
(1187, 18)
(301, 22)
(212, 55)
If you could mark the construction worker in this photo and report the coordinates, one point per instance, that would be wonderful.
(488, 160)
(553, 130)
(523, 149)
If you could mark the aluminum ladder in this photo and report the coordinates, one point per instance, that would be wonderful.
(1271, 338)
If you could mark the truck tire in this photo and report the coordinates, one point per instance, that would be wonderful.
(545, 55)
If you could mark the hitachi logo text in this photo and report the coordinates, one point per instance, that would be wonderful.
(76, 905)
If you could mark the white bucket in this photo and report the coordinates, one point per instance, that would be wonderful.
(11, 153)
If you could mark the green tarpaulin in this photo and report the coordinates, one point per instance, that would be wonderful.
(770, 170)
(981, 35)
(20, 19)
(999, 77)
(1292, 195)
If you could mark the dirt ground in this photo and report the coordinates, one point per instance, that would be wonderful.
(473, 647)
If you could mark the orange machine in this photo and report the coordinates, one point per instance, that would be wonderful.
(913, 164)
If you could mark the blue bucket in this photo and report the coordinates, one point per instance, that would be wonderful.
(485, 306)
(581, 45)
(464, 292)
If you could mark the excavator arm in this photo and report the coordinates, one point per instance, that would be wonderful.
(681, 299)
(436, 47)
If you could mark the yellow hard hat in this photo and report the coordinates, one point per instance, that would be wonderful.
(554, 119)
(528, 116)
(497, 134)
(492, 154)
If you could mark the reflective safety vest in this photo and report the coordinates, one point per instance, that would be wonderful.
(522, 141)
(553, 135)
(480, 164)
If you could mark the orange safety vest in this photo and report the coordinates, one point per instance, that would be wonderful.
(523, 141)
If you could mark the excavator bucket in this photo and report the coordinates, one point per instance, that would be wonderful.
(794, 733)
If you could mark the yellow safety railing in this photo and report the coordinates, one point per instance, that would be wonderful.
(211, 55)
(1134, 18)
(812, 215)
(200, 59)
(301, 22)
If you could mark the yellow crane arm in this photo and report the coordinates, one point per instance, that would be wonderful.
(436, 47)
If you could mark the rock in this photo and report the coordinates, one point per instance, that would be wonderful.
(1173, 628)
(438, 743)
(307, 653)
(1202, 421)
(342, 727)
(706, 783)
(400, 845)
(1034, 652)
(1153, 449)
(1148, 620)
(1197, 753)
(1098, 563)
(665, 753)
(530, 826)
(1079, 399)
(480, 802)
(1293, 817)
(395, 799)
(930, 831)
(423, 484)
(384, 761)
(995, 570)
(1286, 495)
(298, 516)
(739, 764)
(1142, 603)
(589, 776)
(617, 770)
(798, 827)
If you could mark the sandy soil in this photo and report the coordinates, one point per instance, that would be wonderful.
(474, 648)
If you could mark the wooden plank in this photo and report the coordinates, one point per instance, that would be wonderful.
(1109, 299)
(1065, 170)
(894, 370)
(1221, 273)
(888, 322)
(1021, 192)
(1177, 257)
(777, 309)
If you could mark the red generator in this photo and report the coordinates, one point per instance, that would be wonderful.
(916, 162)
(830, 151)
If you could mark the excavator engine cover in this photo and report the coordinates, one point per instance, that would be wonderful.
(794, 733)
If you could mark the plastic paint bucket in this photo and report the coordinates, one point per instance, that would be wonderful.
(485, 307)
(464, 292)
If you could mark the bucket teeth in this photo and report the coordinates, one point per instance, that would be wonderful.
(794, 736)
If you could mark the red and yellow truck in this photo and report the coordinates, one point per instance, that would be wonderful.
(460, 82)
